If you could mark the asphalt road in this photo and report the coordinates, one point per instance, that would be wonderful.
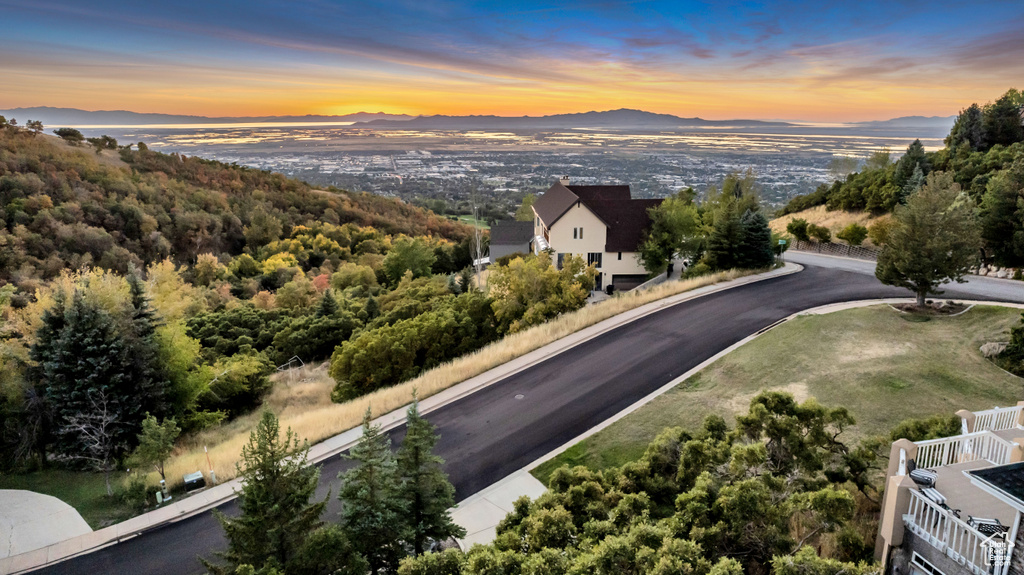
(491, 434)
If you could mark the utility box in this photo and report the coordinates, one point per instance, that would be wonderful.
(194, 481)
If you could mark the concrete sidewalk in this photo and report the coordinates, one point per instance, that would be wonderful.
(30, 520)
(217, 495)
(480, 513)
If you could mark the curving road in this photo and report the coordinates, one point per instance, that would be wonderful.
(491, 434)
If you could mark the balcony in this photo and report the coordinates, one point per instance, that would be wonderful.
(949, 534)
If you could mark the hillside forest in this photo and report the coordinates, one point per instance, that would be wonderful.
(984, 152)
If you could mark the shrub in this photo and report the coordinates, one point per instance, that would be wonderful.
(820, 233)
(853, 234)
(879, 231)
(798, 229)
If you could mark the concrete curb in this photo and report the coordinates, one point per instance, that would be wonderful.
(225, 492)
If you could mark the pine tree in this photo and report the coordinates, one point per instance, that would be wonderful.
(373, 511)
(372, 308)
(968, 129)
(755, 248)
(80, 353)
(425, 489)
(725, 238)
(328, 305)
(935, 239)
(913, 184)
(149, 380)
(277, 517)
(915, 157)
(466, 280)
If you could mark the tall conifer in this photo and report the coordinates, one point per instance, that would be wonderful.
(425, 489)
(373, 512)
(277, 516)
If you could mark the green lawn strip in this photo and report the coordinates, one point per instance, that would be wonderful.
(82, 490)
(469, 221)
(881, 365)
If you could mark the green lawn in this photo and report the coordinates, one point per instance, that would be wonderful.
(467, 219)
(82, 490)
(883, 366)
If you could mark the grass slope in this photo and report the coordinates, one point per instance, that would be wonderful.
(874, 361)
(835, 220)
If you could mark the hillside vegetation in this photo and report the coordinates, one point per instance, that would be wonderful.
(833, 220)
(984, 152)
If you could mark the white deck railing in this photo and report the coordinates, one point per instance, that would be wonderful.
(947, 533)
(963, 448)
(997, 419)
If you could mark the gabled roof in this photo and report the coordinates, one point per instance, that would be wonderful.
(511, 233)
(600, 193)
(626, 218)
(554, 203)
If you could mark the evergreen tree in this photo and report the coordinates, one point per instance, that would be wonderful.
(967, 129)
(1002, 215)
(755, 248)
(466, 283)
(328, 305)
(1001, 120)
(149, 381)
(372, 308)
(80, 354)
(915, 157)
(935, 239)
(425, 490)
(725, 238)
(277, 517)
(913, 184)
(373, 510)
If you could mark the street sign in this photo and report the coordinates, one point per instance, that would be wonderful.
(782, 242)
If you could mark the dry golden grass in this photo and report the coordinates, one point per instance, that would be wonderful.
(835, 221)
(304, 404)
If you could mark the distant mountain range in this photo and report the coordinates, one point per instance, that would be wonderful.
(623, 118)
(945, 122)
(75, 117)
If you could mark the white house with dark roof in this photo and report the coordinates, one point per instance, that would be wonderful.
(602, 224)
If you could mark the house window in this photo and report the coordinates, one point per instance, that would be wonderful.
(594, 258)
(577, 233)
(559, 263)
(581, 233)
(620, 256)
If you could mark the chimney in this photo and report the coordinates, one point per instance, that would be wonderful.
(564, 180)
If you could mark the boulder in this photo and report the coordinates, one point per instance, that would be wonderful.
(1002, 274)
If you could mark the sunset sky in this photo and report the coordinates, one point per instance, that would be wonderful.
(817, 61)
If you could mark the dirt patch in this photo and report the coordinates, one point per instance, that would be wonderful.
(741, 403)
(861, 351)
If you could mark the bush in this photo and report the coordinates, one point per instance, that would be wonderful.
(879, 231)
(820, 233)
(698, 269)
(136, 493)
(505, 259)
(798, 229)
(853, 234)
